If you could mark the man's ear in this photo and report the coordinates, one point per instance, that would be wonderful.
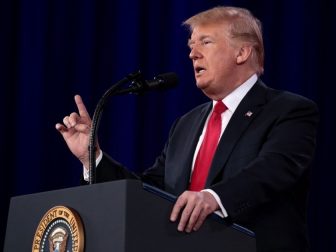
(243, 54)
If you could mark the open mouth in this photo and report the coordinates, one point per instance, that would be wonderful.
(199, 69)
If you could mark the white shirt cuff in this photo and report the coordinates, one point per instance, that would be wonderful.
(86, 172)
(222, 212)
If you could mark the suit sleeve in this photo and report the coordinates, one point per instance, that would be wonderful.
(110, 169)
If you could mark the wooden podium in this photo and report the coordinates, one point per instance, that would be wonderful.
(122, 216)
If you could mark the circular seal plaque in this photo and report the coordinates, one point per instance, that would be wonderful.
(61, 230)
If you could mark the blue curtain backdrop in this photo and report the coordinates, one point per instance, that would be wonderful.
(51, 50)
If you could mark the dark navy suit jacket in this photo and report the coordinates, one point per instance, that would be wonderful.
(260, 170)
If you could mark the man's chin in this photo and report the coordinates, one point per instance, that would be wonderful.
(201, 84)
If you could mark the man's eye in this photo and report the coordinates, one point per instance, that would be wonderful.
(206, 42)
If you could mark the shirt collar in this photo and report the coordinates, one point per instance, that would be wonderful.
(232, 100)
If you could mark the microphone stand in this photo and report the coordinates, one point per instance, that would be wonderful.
(137, 84)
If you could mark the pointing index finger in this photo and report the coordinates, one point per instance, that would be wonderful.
(81, 107)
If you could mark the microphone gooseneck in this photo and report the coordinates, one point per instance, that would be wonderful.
(138, 86)
(95, 123)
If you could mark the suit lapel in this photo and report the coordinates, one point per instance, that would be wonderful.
(246, 111)
(191, 140)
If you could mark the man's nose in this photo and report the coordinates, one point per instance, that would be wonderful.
(195, 53)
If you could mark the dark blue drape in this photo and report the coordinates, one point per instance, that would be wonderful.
(53, 49)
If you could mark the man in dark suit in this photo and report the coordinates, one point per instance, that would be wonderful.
(257, 175)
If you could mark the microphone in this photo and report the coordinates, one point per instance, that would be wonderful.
(163, 81)
(160, 82)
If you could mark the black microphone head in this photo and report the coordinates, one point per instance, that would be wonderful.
(164, 81)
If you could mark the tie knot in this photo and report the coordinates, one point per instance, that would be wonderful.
(219, 107)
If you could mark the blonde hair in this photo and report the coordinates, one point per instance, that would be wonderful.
(242, 25)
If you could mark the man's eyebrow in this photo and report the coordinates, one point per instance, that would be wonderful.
(205, 37)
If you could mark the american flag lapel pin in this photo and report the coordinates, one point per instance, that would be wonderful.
(249, 113)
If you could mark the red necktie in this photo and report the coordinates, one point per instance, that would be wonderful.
(207, 150)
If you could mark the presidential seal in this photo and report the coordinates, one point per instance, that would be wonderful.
(60, 230)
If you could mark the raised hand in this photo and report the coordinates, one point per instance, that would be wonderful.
(76, 132)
